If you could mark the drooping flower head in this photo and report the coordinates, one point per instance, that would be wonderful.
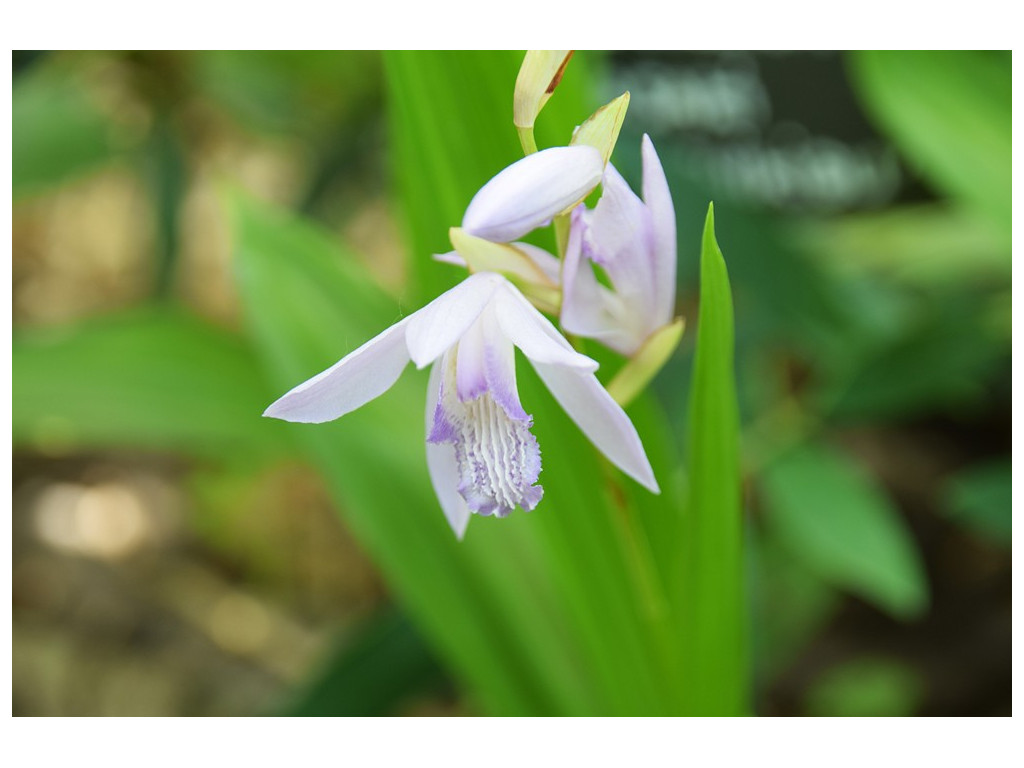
(481, 454)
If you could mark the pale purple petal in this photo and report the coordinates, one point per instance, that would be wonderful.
(444, 471)
(498, 461)
(533, 333)
(588, 308)
(600, 418)
(620, 238)
(500, 370)
(350, 383)
(451, 257)
(530, 192)
(485, 362)
(470, 371)
(443, 428)
(663, 217)
(441, 323)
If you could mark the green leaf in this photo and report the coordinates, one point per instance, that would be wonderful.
(711, 599)
(950, 114)
(55, 133)
(370, 674)
(830, 515)
(153, 378)
(980, 498)
(866, 688)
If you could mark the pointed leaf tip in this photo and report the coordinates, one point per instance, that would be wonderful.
(709, 240)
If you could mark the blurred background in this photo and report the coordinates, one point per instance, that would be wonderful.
(174, 554)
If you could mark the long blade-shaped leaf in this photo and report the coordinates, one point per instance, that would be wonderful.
(711, 597)
(153, 378)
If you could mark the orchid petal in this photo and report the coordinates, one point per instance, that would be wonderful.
(530, 192)
(588, 308)
(620, 240)
(350, 383)
(658, 199)
(441, 463)
(500, 369)
(451, 257)
(600, 418)
(441, 323)
(486, 363)
(533, 333)
(470, 373)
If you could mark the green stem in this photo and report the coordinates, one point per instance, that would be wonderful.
(527, 140)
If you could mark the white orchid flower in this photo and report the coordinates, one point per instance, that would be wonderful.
(634, 242)
(481, 454)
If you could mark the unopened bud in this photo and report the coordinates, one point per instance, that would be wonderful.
(538, 77)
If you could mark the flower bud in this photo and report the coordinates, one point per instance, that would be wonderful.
(538, 77)
(532, 191)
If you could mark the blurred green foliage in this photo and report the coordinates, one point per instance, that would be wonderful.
(56, 133)
(981, 498)
(830, 515)
(383, 666)
(866, 688)
(949, 111)
(310, 93)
